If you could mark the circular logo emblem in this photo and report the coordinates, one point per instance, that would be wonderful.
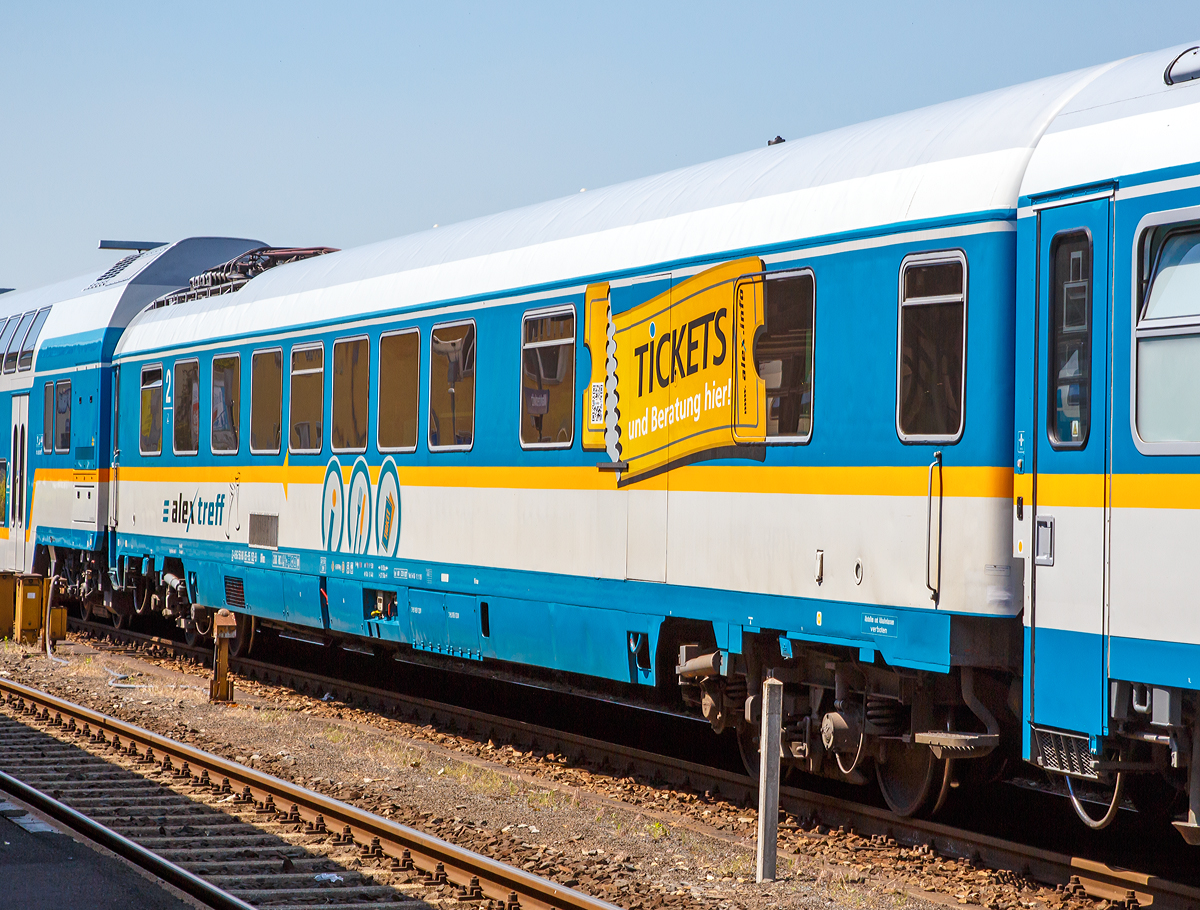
(387, 510)
(333, 508)
(358, 508)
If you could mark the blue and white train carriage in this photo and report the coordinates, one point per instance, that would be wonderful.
(902, 414)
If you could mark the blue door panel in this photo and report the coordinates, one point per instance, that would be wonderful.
(302, 600)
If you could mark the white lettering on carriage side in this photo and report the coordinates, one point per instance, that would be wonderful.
(879, 624)
(249, 557)
(453, 615)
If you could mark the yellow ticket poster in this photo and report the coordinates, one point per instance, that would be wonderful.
(686, 384)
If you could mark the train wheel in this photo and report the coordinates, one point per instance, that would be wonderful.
(121, 620)
(747, 737)
(85, 610)
(910, 778)
(198, 629)
(241, 645)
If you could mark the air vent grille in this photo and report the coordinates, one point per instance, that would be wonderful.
(1065, 753)
(264, 530)
(235, 593)
(119, 266)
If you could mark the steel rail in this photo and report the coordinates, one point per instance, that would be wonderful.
(498, 880)
(192, 885)
(1099, 880)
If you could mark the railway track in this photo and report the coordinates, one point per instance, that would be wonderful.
(232, 836)
(1077, 875)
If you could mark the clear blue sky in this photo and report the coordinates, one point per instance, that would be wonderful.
(343, 123)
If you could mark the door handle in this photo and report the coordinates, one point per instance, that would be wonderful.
(1043, 541)
(929, 578)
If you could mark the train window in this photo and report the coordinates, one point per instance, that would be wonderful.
(266, 402)
(150, 441)
(399, 380)
(351, 389)
(933, 322)
(62, 416)
(48, 418)
(187, 407)
(25, 361)
(226, 402)
(548, 379)
(783, 355)
(308, 398)
(6, 334)
(452, 386)
(1070, 384)
(1168, 343)
(13, 349)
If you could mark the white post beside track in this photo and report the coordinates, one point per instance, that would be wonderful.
(768, 779)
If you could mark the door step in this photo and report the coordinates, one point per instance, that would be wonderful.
(945, 744)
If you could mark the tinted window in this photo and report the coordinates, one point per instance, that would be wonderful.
(62, 417)
(150, 442)
(1168, 356)
(266, 402)
(48, 418)
(14, 345)
(399, 366)
(26, 359)
(226, 402)
(452, 386)
(932, 337)
(548, 379)
(308, 399)
(187, 407)
(783, 355)
(1070, 351)
(351, 381)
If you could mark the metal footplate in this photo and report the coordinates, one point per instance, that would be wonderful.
(946, 744)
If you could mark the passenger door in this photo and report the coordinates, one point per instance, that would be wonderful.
(20, 467)
(1070, 483)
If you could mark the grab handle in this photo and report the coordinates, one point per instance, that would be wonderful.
(933, 588)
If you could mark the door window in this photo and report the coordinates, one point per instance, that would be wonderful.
(307, 399)
(399, 365)
(351, 390)
(226, 402)
(783, 356)
(1070, 384)
(266, 402)
(452, 386)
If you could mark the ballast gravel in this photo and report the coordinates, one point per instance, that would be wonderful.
(632, 842)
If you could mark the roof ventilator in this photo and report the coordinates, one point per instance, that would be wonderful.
(1184, 68)
(117, 268)
(229, 277)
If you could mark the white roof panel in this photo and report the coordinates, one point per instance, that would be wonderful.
(959, 157)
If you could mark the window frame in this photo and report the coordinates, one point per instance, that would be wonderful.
(333, 397)
(429, 388)
(555, 310)
(66, 450)
(379, 385)
(931, 257)
(212, 376)
(174, 382)
(161, 395)
(1051, 383)
(300, 348)
(1186, 220)
(793, 272)
(250, 442)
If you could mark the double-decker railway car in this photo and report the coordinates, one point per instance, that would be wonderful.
(56, 344)
(864, 412)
